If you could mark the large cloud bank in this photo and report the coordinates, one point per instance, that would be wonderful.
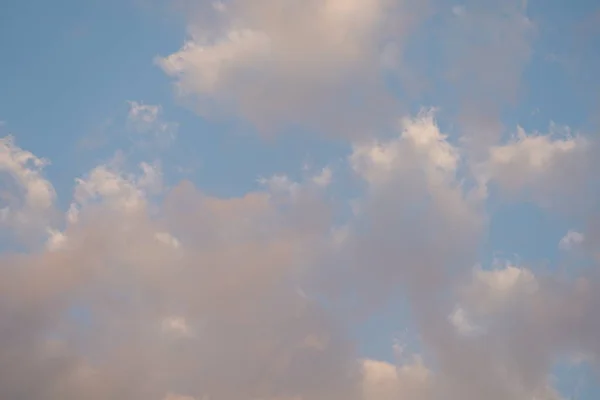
(140, 290)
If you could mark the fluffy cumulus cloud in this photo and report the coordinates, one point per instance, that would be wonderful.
(199, 298)
(143, 288)
(195, 296)
(414, 193)
(327, 65)
(571, 240)
(27, 196)
(313, 63)
(551, 169)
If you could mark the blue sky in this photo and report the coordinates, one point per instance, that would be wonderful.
(269, 111)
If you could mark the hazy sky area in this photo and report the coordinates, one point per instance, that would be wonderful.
(299, 200)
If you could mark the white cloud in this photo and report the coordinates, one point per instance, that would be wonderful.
(104, 183)
(230, 290)
(295, 62)
(280, 184)
(122, 191)
(420, 145)
(324, 178)
(551, 169)
(534, 153)
(147, 120)
(114, 189)
(571, 240)
(26, 169)
(189, 296)
(167, 239)
(30, 202)
(419, 164)
(492, 290)
(461, 321)
(209, 64)
(151, 179)
(56, 240)
(235, 286)
(502, 282)
(385, 381)
(142, 113)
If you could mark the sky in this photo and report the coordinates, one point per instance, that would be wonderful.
(299, 200)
